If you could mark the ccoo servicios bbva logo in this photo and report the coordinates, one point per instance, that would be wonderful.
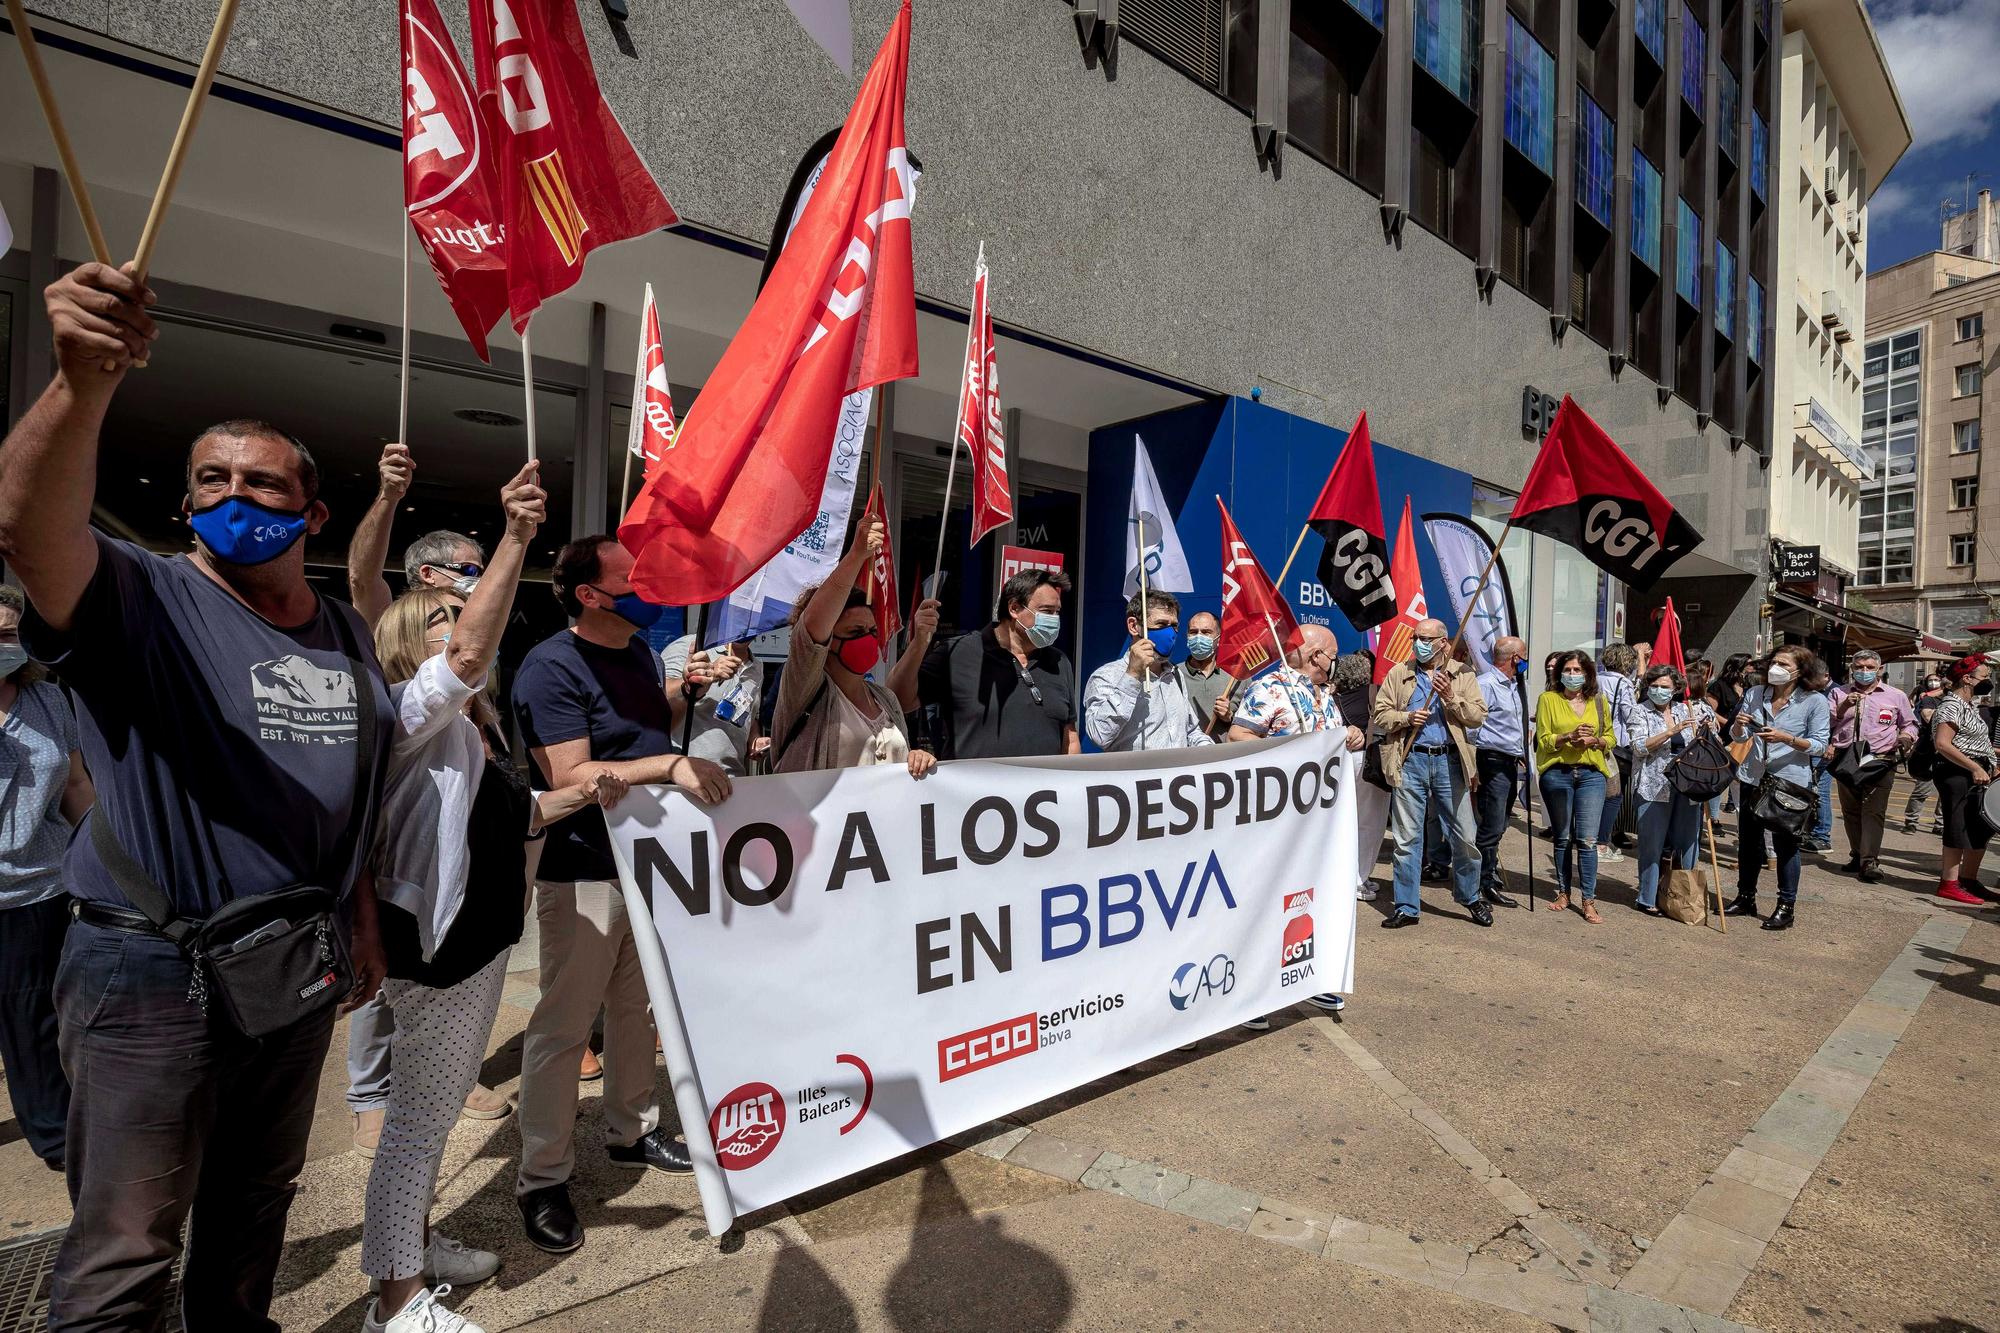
(1193, 981)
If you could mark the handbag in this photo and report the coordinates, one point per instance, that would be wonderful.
(274, 959)
(1702, 771)
(1860, 769)
(1785, 805)
(490, 919)
(1371, 766)
(1614, 781)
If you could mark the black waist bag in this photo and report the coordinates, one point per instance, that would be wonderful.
(269, 960)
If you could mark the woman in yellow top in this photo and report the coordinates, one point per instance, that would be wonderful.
(1573, 740)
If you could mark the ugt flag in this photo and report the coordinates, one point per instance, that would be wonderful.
(448, 184)
(1354, 560)
(878, 576)
(1394, 638)
(1584, 492)
(1463, 550)
(1255, 619)
(653, 414)
(838, 314)
(570, 180)
(1150, 538)
(979, 423)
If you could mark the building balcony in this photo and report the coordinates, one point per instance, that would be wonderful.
(1813, 422)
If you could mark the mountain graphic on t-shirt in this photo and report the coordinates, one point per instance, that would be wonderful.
(299, 700)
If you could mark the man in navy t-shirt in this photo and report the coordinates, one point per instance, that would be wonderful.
(220, 721)
(593, 699)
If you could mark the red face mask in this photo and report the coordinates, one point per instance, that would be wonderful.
(860, 654)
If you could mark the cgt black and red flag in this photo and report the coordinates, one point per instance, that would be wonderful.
(448, 184)
(1584, 492)
(1255, 618)
(1354, 560)
(569, 179)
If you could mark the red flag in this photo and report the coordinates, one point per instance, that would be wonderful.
(448, 185)
(979, 425)
(570, 180)
(1400, 631)
(1354, 560)
(1667, 643)
(1251, 607)
(878, 576)
(652, 431)
(1584, 492)
(838, 314)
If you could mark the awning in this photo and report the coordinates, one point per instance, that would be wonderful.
(1855, 629)
(1991, 627)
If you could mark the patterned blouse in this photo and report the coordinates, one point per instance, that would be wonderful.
(1971, 737)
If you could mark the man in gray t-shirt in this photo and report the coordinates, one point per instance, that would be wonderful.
(725, 688)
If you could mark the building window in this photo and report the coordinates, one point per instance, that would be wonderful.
(1596, 147)
(1760, 155)
(1971, 326)
(1645, 212)
(1187, 34)
(1729, 105)
(1725, 290)
(1320, 93)
(1964, 492)
(1965, 437)
(1529, 117)
(1963, 546)
(1430, 189)
(1446, 44)
(1649, 25)
(1687, 266)
(1694, 61)
(1753, 322)
(1372, 10)
(1966, 380)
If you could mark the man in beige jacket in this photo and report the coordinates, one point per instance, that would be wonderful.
(1423, 711)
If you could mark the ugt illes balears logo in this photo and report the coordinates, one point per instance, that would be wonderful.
(746, 1126)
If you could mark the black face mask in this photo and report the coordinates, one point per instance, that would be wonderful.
(1982, 689)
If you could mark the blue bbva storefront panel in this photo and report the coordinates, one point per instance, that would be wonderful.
(1268, 467)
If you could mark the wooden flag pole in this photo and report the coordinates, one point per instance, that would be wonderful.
(1714, 869)
(403, 392)
(46, 95)
(218, 38)
(1287, 567)
(528, 390)
(875, 481)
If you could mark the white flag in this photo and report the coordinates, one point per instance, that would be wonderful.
(6, 233)
(1149, 533)
(1462, 552)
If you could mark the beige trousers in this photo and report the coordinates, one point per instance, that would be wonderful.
(587, 959)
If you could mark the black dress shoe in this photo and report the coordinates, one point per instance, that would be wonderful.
(1871, 872)
(656, 1152)
(1851, 864)
(1649, 911)
(1741, 906)
(1481, 913)
(550, 1219)
(1780, 919)
(1499, 899)
(1435, 874)
(1397, 920)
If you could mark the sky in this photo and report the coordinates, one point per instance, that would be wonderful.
(1945, 56)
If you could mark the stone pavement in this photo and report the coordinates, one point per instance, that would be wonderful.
(1640, 1125)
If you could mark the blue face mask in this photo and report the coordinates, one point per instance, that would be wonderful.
(1425, 650)
(240, 531)
(1520, 666)
(1046, 627)
(1201, 647)
(1165, 640)
(634, 608)
(1864, 678)
(1572, 680)
(1660, 694)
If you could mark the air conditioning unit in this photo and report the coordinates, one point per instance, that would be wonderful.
(1831, 312)
(1854, 228)
(1832, 188)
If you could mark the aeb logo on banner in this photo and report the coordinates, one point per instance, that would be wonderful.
(747, 1125)
(1192, 981)
(1295, 963)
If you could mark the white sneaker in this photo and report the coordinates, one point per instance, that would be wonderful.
(1609, 856)
(1365, 891)
(423, 1314)
(1259, 1024)
(457, 1264)
(1330, 1002)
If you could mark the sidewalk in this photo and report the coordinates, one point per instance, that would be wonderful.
(1636, 1125)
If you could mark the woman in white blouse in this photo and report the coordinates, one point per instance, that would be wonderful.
(1660, 727)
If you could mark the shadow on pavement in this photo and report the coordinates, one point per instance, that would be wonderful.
(1971, 982)
(970, 1266)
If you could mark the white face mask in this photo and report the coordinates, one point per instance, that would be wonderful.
(1776, 675)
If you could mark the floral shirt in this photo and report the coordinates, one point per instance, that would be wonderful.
(1284, 703)
(1649, 768)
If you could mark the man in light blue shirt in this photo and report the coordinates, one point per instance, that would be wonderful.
(1498, 746)
(1138, 701)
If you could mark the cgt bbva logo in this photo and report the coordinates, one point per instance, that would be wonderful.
(746, 1126)
(1295, 964)
(1192, 981)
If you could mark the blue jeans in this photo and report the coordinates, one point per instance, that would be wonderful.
(1822, 828)
(1428, 777)
(1750, 850)
(1575, 801)
(1667, 827)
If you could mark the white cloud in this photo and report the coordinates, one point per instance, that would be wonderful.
(1890, 202)
(1945, 55)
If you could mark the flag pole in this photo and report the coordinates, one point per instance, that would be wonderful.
(1485, 577)
(528, 389)
(403, 379)
(1286, 568)
(950, 472)
(218, 37)
(31, 53)
(875, 479)
(1714, 868)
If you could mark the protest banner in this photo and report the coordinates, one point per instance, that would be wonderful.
(848, 965)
